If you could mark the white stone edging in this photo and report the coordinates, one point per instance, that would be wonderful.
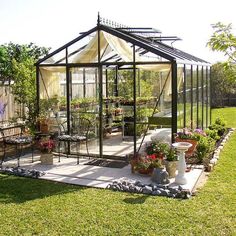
(217, 151)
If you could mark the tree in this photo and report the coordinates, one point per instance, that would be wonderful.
(24, 88)
(18, 53)
(223, 74)
(223, 40)
(223, 83)
(17, 65)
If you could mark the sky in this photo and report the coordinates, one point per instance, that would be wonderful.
(53, 23)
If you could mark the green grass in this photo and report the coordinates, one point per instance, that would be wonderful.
(37, 207)
(228, 114)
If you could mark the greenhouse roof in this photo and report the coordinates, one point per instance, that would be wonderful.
(118, 41)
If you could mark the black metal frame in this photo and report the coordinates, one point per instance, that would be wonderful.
(197, 97)
(206, 94)
(145, 39)
(191, 98)
(184, 95)
(202, 82)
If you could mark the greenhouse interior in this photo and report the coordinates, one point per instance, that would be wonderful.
(130, 83)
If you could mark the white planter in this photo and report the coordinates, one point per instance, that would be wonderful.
(46, 158)
(171, 167)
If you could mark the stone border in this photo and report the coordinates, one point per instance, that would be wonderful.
(216, 155)
(135, 186)
(22, 172)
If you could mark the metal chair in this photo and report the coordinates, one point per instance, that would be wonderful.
(18, 140)
(79, 133)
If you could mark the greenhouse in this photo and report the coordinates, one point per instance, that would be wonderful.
(130, 83)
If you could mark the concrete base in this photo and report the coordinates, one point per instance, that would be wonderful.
(67, 171)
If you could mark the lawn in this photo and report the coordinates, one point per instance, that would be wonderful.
(228, 114)
(37, 207)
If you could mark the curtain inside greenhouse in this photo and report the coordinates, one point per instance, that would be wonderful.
(50, 81)
(110, 43)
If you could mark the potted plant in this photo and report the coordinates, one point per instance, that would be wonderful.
(144, 165)
(171, 162)
(62, 103)
(46, 146)
(157, 152)
(141, 164)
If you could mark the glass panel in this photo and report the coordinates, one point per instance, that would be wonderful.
(84, 50)
(204, 97)
(115, 49)
(165, 104)
(84, 105)
(188, 96)
(58, 58)
(118, 113)
(200, 90)
(52, 99)
(154, 104)
(194, 96)
(180, 102)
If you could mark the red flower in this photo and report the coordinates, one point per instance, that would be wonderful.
(153, 156)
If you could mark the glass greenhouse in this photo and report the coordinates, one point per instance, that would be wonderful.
(129, 82)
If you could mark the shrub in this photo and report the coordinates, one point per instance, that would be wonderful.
(213, 134)
(205, 146)
(219, 126)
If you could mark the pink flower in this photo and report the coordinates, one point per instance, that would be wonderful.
(47, 145)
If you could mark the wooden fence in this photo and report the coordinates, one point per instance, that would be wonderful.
(8, 107)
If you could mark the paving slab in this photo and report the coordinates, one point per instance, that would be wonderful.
(68, 171)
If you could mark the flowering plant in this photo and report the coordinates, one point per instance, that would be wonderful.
(190, 134)
(149, 162)
(46, 146)
(143, 162)
(157, 148)
(185, 134)
(156, 160)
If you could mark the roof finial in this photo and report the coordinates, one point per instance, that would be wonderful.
(98, 22)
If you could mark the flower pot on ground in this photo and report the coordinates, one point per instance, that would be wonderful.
(189, 136)
(141, 164)
(46, 158)
(46, 146)
(171, 167)
(147, 171)
(171, 162)
(144, 165)
(43, 124)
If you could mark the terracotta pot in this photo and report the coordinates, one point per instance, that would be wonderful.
(145, 171)
(46, 158)
(171, 167)
(192, 149)
(44, 128)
